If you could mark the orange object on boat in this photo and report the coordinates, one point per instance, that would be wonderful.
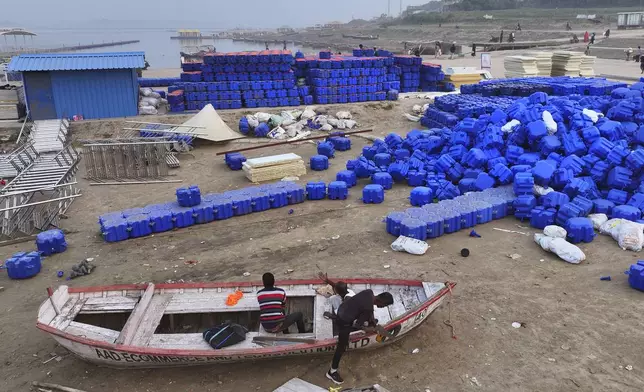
(234, 298)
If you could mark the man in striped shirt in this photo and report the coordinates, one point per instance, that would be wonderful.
(272, 302)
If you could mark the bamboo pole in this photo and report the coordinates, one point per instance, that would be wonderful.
(292, 141)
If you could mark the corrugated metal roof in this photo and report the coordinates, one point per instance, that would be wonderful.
(76, 61)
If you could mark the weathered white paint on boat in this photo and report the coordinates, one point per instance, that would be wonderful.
(96, 344)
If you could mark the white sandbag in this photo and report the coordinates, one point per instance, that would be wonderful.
(321, 119)
(295, 114)
(146, 91)
(510, 126)
(307, 113)
(154, 94)
(326, 127)
(425, 107)
(286, 123)
(611, 227)
(630, 236)
(411, 117)
(253, 122)
(275, 121)
(332, 121)
(341, 124)
(149, 101)
(291, 131)
(350, 124)
(592, 115)
(409, 245)
(543, 241)
(551, 125)
(562, 248)
(277, 133)
(417, 109)
(262, 117)
(541, 191)
(287, 116)
(343, 115)
(555, 231)
(598, 220)
(148, 110)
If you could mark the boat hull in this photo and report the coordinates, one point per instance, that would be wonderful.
(120, 356)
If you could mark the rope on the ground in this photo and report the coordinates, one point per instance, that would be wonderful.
(448, 322)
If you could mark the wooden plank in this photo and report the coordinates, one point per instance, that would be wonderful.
(133, 322)
(210, 302)
(151, 319)
(397, 309)
(68, 313)
(431, 288)
(297, 385)
(382, 314)
(272, 160)
(408, 297)
(60, 297)
(92, 332)
(283, 338)
(113, 304)
(322, 327)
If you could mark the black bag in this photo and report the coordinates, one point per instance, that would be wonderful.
(225, 335)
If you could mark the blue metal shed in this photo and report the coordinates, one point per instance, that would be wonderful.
(93, 85)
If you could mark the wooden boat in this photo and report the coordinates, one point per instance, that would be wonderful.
(362, 37)
(143, 326)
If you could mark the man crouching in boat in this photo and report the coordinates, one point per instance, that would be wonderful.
(341, 293)
(355, 313)
(272, 305)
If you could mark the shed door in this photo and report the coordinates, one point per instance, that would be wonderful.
(40, 96)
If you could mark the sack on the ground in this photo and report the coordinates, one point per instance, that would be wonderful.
(598, 220)
(262, 117)
(555, 231)
(253, 122)
(630, 236)
(150, 110)
(350, 124)
(409, 245)
(308, 113)
(146, 91)
(225, 335)
(342, 115)
(562, 248)
(612, 227)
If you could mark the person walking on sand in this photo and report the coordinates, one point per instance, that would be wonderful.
(642, 64)
(586, 37)
(592, 39)
(501, 37)
(452, 50)
(438, 50)
(355, 313)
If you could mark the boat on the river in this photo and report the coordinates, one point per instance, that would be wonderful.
(161, 325)
(361, 37)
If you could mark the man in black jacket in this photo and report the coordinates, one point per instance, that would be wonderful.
(355, 313)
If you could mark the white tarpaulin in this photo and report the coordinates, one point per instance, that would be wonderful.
(214, 128)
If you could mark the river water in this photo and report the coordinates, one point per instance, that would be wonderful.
(160, 50)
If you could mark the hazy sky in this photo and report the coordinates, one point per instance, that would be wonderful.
(188, 13)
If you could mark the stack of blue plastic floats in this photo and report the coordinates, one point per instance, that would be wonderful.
(431, 78)
(591, 167)
(348, 79)
(409, 72)
(193, 208)
(158, 82)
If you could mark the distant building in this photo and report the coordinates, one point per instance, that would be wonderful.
(333, 25)
(285, 30)
(93, 85)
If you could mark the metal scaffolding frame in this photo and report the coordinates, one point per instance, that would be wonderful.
(124, 159)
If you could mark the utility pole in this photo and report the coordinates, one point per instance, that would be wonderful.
(388, 7)
(400, 14)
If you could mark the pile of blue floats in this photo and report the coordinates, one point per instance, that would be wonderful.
(156, 218)
(449, 216)
(158, 82)
(561, 85)
(559, 176)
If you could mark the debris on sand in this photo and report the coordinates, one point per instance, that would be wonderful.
(81, 269)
